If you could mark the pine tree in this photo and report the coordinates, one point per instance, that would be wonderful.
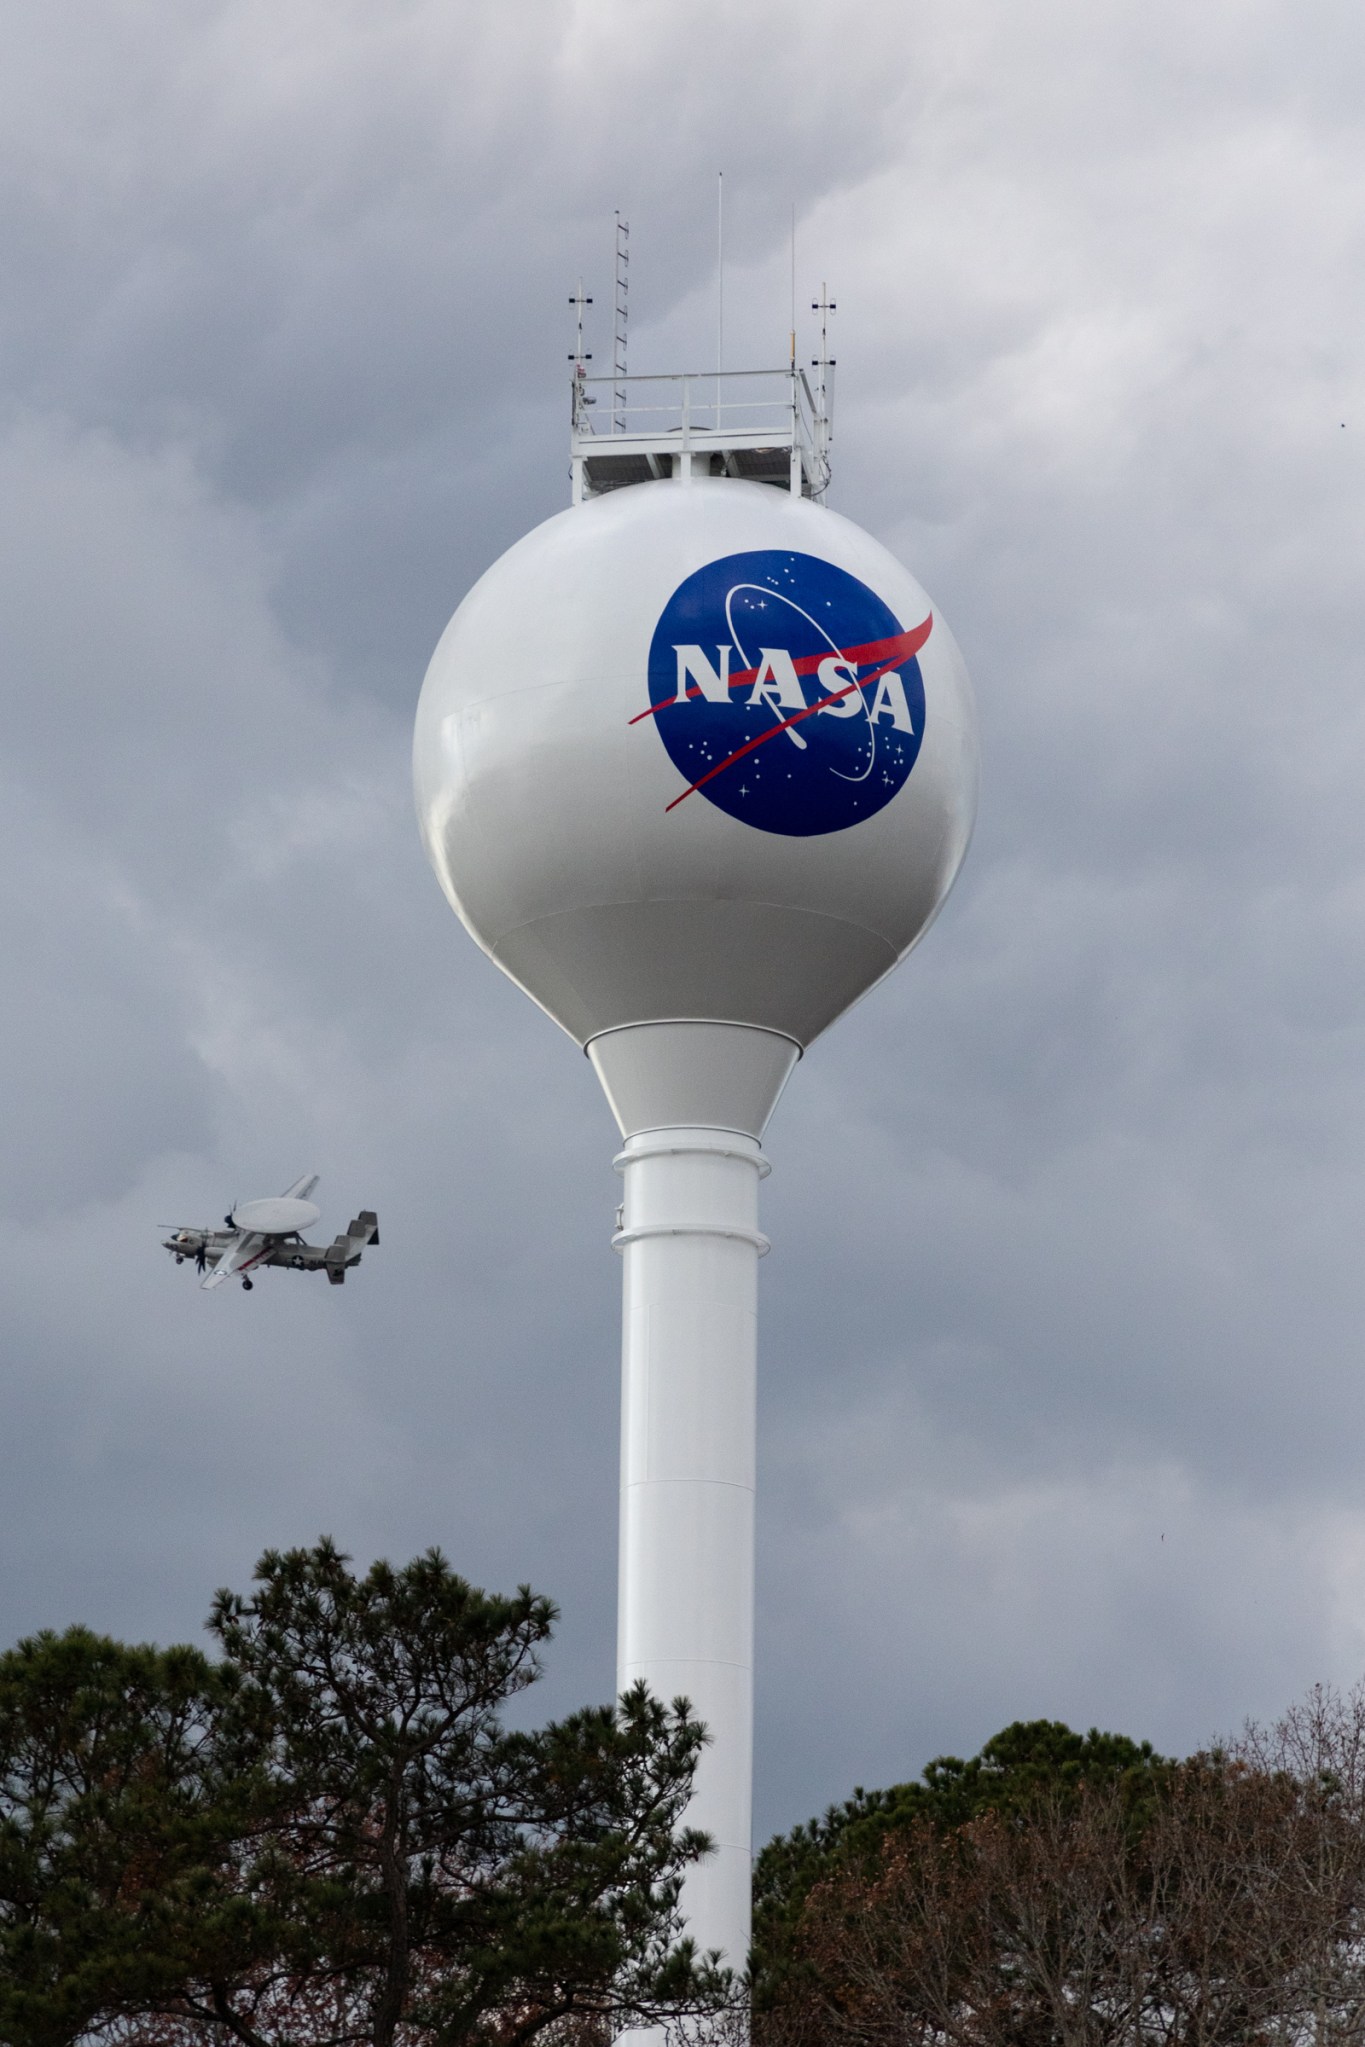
(329, 1834)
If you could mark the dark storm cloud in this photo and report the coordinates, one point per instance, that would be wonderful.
(1061, 1331)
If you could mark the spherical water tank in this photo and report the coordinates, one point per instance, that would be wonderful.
(699, 751)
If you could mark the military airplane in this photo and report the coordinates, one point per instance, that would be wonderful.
(270, 1233)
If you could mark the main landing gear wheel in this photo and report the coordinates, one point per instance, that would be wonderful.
(247, 1285)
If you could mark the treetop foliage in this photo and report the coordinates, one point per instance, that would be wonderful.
(1011, 1769)
(1077, 1891)
(326, 1834)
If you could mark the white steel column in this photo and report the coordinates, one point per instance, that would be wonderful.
(691, 1247)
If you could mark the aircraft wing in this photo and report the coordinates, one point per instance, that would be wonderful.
(301, 1189)
(243, 1250)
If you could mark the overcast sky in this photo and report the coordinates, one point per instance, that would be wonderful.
(1063, 1380)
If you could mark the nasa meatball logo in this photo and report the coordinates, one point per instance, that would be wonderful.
(786, 692)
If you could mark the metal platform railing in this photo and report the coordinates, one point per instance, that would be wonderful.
(764, 425)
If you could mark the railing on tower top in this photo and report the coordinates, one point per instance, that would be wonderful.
(765, 425)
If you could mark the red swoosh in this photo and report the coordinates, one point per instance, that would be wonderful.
(900, 647)
(907, 645)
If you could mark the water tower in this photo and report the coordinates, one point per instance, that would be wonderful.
(696, 766)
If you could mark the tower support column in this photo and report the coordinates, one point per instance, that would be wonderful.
(690, 1242)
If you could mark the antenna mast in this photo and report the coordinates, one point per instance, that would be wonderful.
(720, 286)
(792, 335)
(580, 360)
(775, 428)
(619, 324)
(822, 364)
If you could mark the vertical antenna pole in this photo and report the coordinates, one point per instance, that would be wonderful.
(823, 364)
(793, 320)
(796, 480)
(578, 302)
(620, 323)
(720, 285)
(580, 400)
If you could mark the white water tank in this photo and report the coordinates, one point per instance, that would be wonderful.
(696, 766)
(594, 844)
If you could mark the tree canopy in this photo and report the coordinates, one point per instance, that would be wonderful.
(324, 1834)
(1081, 1891)
(1025, 1760)
(327, 1832)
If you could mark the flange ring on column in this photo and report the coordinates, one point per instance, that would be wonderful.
(761, 1244)
(707, 1151)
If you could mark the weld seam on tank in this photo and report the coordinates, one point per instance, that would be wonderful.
(729, 1023)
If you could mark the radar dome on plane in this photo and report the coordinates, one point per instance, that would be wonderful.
(279, 1216)
(758, 850)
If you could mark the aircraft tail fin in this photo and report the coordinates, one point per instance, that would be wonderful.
(345, 1250)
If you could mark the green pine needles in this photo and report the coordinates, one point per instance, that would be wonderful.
(327, 1835)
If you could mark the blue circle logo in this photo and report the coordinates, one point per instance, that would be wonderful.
(786, 692)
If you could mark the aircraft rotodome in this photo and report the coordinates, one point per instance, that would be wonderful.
(695, 765)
